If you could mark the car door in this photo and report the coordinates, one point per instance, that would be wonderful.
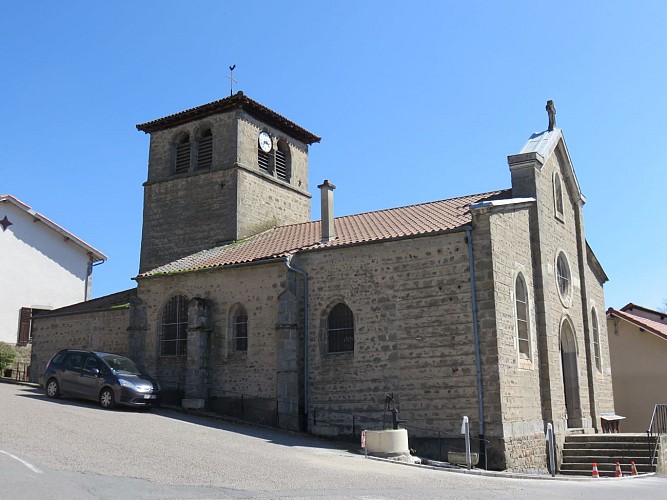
(89, 380)
(71, 373)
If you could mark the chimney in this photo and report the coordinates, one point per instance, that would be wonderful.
(327, 223)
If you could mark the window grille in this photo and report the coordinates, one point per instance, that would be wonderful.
(281, 165)
(174, 334)
(522, 320)
(240, 326)
(563, 276)
(205, 151)
(340, 331)
(596, 340)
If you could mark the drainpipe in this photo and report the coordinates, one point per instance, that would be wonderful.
(478, 362)
(288, 263)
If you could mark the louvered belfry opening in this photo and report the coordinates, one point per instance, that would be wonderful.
(182, 154)
(264, 160)
(205, 150)
(282, 164)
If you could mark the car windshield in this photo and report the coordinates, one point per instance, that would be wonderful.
(121, 364)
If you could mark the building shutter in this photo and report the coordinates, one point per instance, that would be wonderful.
(24, 325)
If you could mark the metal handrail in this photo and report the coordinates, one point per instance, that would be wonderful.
(656, 428)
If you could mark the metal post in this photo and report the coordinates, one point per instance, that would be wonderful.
(465, 430)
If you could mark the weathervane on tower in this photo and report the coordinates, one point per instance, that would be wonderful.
(231, 79)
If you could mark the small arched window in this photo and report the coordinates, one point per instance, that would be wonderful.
(205, 150)
(283, 166)
(558, 196)
(174, 327)
(240, 329)
(182, 162)
(522, 317)
(596, 340)
(340, 329)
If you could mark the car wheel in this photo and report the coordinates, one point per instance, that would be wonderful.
(52, 389)
(106, 398)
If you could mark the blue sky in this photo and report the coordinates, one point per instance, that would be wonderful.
(415, 101)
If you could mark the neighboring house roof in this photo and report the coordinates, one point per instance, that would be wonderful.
(383, 225)
(236, 101)
(656, 327)
(116, 300)
(95, 254)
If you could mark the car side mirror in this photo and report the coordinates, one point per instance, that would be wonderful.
(95, 372)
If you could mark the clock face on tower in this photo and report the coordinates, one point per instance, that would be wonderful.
(265, 143)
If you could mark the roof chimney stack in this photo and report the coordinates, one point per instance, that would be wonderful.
(327, 223)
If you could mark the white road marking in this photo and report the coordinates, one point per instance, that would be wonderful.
(28, 465)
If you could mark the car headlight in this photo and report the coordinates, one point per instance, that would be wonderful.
(128, 385)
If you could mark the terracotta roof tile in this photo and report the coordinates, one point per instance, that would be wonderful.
(414, 220)
(650, 325)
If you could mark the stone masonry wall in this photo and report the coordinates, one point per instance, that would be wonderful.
(257, 288)
(104, 331)
(413, 332)
(522, 426)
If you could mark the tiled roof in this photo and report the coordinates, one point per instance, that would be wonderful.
(656, 327)
(395, 223)
(236, 101)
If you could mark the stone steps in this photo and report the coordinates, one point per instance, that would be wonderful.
(580, 451)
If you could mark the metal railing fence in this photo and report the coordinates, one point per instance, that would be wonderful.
(657, 428)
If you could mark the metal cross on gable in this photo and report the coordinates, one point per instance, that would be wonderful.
(231, 79)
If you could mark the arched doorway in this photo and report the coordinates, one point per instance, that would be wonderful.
(570, 368)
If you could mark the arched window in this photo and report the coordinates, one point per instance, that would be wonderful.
(205, 149)
(174, 327)
(596, 340)
(340, 329)
(563, 277)
(283, 161)
(522, 318)
(182, 162)
(240, 329)
(558, 196)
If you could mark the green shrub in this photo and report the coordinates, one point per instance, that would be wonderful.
(7, 355)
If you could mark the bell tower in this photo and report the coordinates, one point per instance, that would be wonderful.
(219, 173)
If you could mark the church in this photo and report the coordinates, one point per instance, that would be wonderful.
(489, 305)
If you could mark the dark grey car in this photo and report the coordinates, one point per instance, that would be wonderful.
(99, 376)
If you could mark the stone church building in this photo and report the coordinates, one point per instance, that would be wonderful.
(489, 305)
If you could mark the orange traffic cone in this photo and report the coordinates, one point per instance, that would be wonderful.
(619, 473)
(633, 468)
(596, 474)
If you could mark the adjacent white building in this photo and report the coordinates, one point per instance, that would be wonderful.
(43, 267)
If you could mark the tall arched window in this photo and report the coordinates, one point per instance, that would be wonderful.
(558, 196)
(205, 149)
(240, 329)
(174, 327)
(596, 340)
(340, 329)
(182, 157)
(522, 317)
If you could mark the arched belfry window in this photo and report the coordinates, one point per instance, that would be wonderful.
(174, 327)
(558, 196)
(283, 166)
(340, 329)
(205, 149)
(239, 327)
(596, 339)
(182, 156)
(522, 317)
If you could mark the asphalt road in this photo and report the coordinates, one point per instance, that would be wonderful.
(75, 450)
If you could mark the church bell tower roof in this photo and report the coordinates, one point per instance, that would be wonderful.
(236, 101)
